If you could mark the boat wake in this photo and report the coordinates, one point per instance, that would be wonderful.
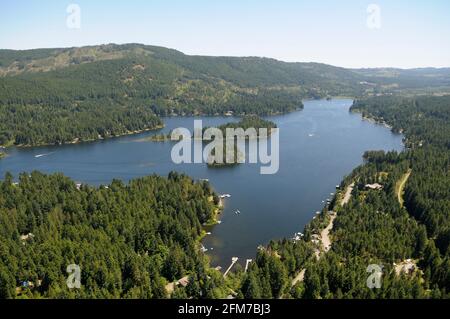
(43, 155)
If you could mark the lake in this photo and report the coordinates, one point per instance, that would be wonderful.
(318, 146)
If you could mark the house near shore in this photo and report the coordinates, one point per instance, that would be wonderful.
(183, 282)
(315, 239)
(375, 186)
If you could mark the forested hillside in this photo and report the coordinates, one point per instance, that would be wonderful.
(58, 96)
(130, 240)
(397, 216)
(71, 95)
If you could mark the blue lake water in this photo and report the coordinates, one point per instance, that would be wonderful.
(318, 146)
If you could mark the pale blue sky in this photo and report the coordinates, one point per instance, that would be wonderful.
(413, 33)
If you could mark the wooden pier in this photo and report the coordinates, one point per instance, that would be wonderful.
(233, 261)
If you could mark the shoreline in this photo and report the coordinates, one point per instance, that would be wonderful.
(217, 211)
(374, 120)
(324, 232)
(347, 194)
(77, 140)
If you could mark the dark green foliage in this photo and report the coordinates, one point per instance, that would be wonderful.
(249, 122)
(424, 120)
(129, 240)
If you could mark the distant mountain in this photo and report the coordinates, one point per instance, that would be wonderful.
(245, 72)
(408, 78)
(242, 71)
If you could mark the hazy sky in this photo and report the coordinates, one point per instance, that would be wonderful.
(411, 33)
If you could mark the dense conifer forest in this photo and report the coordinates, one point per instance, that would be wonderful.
(130, 240)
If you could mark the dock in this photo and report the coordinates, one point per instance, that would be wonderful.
(246, 264)
(233, 261)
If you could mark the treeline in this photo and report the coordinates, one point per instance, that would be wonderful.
(247, 122)
(130, 240)
(374, 228)
(32, 125)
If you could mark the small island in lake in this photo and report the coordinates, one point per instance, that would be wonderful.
(248, 128)
(248, 122)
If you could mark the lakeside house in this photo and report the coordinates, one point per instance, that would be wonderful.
(183, 281)
(375, 186)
